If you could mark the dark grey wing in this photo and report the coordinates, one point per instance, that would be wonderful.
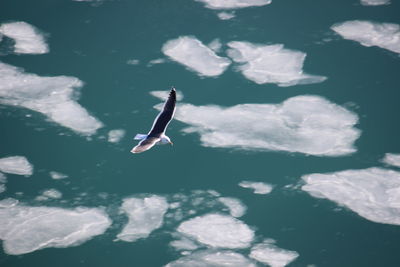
(145, 144)
(165, 116)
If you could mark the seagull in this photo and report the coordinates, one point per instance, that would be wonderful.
(157, 132)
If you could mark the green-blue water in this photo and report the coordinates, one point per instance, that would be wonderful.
(93, 41)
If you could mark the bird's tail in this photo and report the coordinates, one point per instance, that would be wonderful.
(140, 136)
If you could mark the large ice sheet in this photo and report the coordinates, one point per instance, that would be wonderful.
(211, 258)
(392, 159)
(373, 193)
(16, 165)
(27, 39)
(192, 53)
(375, 2)
(55, 97)
(271, 64)
(145, 215)
(306, 124)
(368, 33)
(24, 229)
(271, 255)
(217, 230)
(233, 4)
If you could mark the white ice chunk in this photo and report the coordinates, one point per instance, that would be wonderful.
(55, 97)
(133, 61)
(373, 193)
(392, 159)
(367, 33)
(233, 4)
(183, 243)
(258, 187)
(114, 136)
(235, 206)
(226, 15)
(192, 53)
(27, 39)
(271, 255)
(16, 165)
(24, 229)
(156, 61)
(58, 175)
(305, 124)
(271, 64)
(49, 193)
(215, 45)
(374, 2)
(3, 180)
(218, 230)
(145, 216)
(212, 259)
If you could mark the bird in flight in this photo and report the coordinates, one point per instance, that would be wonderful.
(157, 132)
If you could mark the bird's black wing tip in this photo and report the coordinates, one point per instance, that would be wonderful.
(173, 89)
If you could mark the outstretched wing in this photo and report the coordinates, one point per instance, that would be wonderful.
(161, 122)
(145, 144)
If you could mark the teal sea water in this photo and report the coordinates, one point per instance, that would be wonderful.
(312, 121)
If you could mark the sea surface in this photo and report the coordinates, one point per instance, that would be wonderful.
(286, 134)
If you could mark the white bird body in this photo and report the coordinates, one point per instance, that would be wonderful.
(157, 133)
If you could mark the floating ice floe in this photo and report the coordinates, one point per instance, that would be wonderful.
(304, 124)
(156, 61)
(49, 194)
(184, 206)
(183, 243)
(24, 229)
(258, 187)
(233, 4)
(28, 40)
(3, 180)
(375, 2)
(192, 53)
(54, 97)
(133, 62)
(226, 15)
(373, 193)
(217, 230)
(145, 215)
(114, 136)
(211, 258)
(367, 33)
(392, 159)
(58, 175)
(271, 255)
(16, 165)
(271, 64)
(215, 45)
(235, 206)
